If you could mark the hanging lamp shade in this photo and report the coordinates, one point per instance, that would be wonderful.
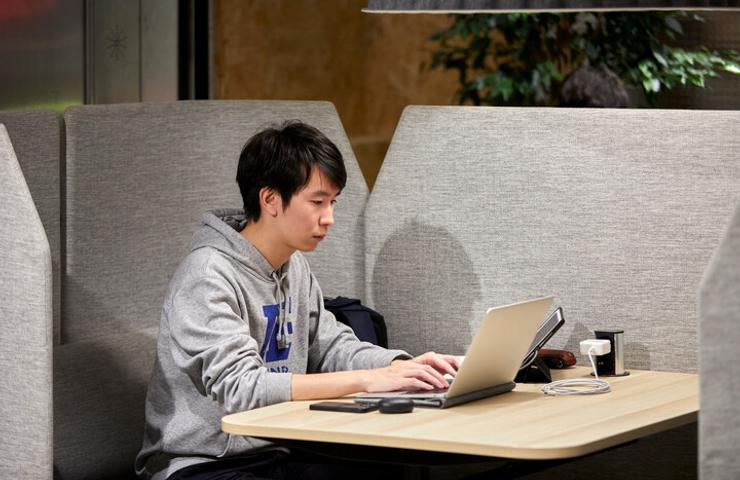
(503, 6)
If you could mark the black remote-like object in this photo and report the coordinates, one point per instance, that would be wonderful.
(396, 405)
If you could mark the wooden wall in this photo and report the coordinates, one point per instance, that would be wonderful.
(366, 64)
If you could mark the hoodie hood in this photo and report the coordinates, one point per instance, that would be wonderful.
(220, 230)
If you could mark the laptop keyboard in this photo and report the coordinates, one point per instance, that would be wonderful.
(436, 390)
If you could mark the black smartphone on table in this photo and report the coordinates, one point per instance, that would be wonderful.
(350, 407)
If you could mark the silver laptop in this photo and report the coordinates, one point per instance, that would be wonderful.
(492, 360)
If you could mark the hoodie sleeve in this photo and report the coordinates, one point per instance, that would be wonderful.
(334, 346)
(213, 345)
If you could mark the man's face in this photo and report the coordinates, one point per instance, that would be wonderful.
(305, 221)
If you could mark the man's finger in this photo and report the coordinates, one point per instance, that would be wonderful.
(453, 360)
(432, 377)
(437, 374)
(441, 364)
(417, 384)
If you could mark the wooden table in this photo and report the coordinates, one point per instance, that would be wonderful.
(522, 424)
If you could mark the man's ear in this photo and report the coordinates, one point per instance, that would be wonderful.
(270, 201)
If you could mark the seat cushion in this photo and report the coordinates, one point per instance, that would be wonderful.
(99, 391)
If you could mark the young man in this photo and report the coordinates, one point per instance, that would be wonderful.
(243, 323)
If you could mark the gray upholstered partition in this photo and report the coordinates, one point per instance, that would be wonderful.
(35, 136)
(719, 361)
(139, 177)
(616, 212)
(26, 325)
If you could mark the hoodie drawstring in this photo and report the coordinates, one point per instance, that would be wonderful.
(282, 340)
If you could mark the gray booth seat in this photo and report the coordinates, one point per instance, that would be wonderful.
(35, 136)
(26, 324)
(138, 179)
(617, 212)
(719, 361)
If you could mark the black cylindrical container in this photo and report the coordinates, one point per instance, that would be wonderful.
(611, 364)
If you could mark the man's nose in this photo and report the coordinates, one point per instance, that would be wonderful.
(327, 219)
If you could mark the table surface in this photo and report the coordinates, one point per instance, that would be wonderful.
(522, 424)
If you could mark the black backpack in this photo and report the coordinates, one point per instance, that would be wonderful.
(368, 325)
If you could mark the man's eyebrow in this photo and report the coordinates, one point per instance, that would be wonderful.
(324, 193)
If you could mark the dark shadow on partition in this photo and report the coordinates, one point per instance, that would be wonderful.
(425, 285)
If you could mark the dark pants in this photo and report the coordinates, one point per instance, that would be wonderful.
(281, 465)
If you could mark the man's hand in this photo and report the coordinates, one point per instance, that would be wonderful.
(442, 363)
(424, 372)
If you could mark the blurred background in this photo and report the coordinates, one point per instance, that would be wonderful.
(57, 53)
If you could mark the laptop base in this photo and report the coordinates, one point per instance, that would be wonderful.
(445, 402)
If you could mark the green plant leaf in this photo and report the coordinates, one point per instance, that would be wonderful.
(646, 68)
(674, 25)
(732, 68)
(661, 59)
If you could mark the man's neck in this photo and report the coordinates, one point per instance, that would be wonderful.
(266, 244)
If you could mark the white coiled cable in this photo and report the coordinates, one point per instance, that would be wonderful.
(578, 386)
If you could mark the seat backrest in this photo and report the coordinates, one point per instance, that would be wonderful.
(26, 325)
(719, 317)
(138, 179)
(35, 136)
(616, 212)
(140, 176)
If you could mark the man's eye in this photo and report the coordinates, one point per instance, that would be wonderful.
(317, 202)
(333, 202)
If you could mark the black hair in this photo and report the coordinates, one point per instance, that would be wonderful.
(281, 158)
(593, 86)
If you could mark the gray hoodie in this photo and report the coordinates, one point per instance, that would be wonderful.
(233, 331)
